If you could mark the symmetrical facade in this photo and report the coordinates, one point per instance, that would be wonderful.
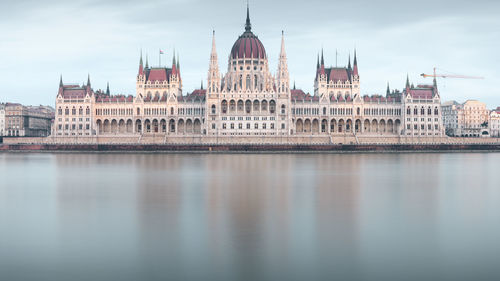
(469, 119)
(248, 101)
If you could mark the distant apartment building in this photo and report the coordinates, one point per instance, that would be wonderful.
(28, 121)
(494, 123)
(2, 119)
(469, 119)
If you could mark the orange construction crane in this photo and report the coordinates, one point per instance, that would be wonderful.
(449, 76)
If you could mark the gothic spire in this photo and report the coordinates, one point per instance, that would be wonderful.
(388, 91)
(322, 58)
(147, 64)
(317, 63)
(282, 53)
(88, 80)
(248, 25)
(173, 59)
(355, 70)
(201, 87)
(407, 81)
(349, 64)
(107, 89)
(60, 82)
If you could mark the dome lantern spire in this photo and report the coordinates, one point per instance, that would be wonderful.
(248, 25)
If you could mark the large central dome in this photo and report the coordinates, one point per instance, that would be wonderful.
(248, 45)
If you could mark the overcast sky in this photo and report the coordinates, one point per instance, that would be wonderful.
(40, 40)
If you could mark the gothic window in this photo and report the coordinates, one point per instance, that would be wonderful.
(232, 106)
(73, 111)
(422, 111)
(240, 105)
(248, 106)
(436, 111)
(224, 106)
(138, 111)
(255, 82)
(429, 111)
(80, 111)
(87, 111)
(272, 106)
(59, 111)
(408, 111)
(264, 105)
(241, 82)
(415, 111)
(248, 83)
(324, 110)
(172, 111)
(282, 109)
(358, 111)
(213, 108)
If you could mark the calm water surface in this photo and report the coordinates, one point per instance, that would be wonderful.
(250, 217)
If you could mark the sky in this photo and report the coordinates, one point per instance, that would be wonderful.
(41, 40)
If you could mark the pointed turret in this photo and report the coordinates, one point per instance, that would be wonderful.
(88, 80)
(60, 82)
(213, 68)
(322, 58)
(349, 63)
(317, 63)
(355, 70)
(294, 86)
(201, 86)
(248, 25)
(107, 90)
(407, 81)
(174, 64)
(282, 75)
(147, 63)
(141, 68)
(388, 91)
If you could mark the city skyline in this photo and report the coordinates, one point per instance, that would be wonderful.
(106, 42)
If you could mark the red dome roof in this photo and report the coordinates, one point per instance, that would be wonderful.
(248, 46)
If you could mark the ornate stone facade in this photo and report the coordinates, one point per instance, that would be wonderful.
(249, 101)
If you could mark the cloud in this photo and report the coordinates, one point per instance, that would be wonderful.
(43, 39)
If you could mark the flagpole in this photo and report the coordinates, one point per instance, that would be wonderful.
(159, 57)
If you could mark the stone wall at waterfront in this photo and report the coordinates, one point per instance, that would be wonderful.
(320, 139)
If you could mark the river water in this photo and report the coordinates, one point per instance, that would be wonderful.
(401, 216)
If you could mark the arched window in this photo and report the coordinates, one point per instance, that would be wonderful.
(255, 82)
(59, 111)
(272, 106)
(436, 111)
(172, 111)
(224, 106)
(213, 108)
(241, 82)
(73, 111)
(408, 111)
(80, 111)
(324, 110)
(87, 111)
(422, 111)
(283, 109)
(429, 111)
(415, 111)
(248, 82)
(358, 111)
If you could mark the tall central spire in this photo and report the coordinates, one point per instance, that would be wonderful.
(248, 25)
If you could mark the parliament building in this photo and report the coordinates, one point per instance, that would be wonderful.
(248, 101)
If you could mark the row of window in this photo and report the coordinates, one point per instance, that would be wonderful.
(73, 127)
(248, 126)
(248, 118)
(422, 127)
(73, 111)
(422, 111)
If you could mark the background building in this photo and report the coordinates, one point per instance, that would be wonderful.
(494, 123)
(469, 119)
(28, 121)
(2, 119)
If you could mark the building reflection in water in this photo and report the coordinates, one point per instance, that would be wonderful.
(259, 216)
